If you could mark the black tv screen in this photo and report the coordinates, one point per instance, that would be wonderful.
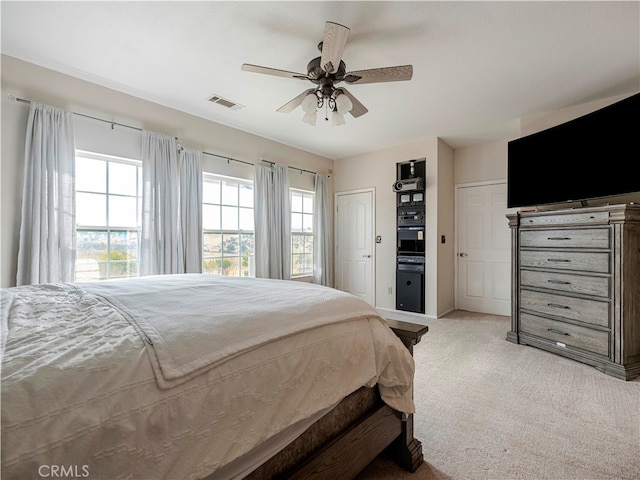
(593, 156)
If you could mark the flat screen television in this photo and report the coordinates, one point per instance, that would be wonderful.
(593, 156)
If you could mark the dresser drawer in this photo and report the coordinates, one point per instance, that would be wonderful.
(566, 334)
(589, 311)
(566, 282)
(560, 238)
(597, 262)
(584, 218)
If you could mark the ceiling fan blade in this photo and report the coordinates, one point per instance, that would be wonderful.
(293, 104)
(333, 44)
(358, 109)
(247, 67)
(378, 75)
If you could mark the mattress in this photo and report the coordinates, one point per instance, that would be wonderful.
(177, 376)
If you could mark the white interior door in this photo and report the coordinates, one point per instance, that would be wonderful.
(484, 250)
(354, 244)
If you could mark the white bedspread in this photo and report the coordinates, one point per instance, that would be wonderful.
(83, 363)
(220, 317)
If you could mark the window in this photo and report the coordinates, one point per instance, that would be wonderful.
(227, 221)
(301, 233)
(108, 203)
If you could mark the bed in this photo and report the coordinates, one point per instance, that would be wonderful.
(199, 376)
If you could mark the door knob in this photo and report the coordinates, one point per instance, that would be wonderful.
(463, 254)
(366, 256)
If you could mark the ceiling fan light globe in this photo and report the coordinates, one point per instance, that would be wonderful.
(337, 119)
(343, 104)
(310, 103)
(310, 118)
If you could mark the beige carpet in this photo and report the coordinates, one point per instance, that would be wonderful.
(490, 409)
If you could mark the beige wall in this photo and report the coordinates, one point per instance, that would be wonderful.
(28, 81)
(446, 228)
(481, 163)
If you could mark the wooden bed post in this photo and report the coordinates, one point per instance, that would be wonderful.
(408, 449)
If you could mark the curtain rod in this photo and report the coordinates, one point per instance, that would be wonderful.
(13, 98)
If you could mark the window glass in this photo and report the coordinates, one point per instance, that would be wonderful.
(296, 222)
(211, 192)
(296, 201)
(307, 222)
(246, 219)
(91, 208)
(246, 195)
(123, 179)
(307, 204)
(229, 193)
(229, 218)
(211, 217)
(91, 175)
(123, 211)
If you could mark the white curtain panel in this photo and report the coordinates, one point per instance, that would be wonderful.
(322, 264)
(47, 232)
(272, 212)
(160, 246)
(191, 209)
(281, 220)
(261, 188)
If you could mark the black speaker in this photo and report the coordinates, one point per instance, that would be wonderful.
(410, 291)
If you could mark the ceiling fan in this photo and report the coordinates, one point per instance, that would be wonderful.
(326, 71)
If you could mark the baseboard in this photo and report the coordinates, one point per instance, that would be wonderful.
(446, 313)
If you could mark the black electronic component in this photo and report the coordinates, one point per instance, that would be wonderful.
(411, 221)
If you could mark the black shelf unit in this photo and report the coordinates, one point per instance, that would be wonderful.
(410, 246)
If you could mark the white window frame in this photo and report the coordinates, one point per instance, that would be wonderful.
(307, 253)
(246, 266)
(107, 229)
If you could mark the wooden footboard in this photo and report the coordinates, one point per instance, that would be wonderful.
(352, 451)
(349, 437)
(345, 441)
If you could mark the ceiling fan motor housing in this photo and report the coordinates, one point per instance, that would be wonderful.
(315, 73)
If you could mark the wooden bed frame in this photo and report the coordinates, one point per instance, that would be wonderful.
(344, 441)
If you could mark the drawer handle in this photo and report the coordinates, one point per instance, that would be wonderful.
(565, 260)
(559, 282)
(559, 332)
(557, 305)
(558, 238)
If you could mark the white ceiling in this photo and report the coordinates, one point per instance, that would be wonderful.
(478, 66)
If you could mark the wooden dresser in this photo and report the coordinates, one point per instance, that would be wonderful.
(576, 285)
